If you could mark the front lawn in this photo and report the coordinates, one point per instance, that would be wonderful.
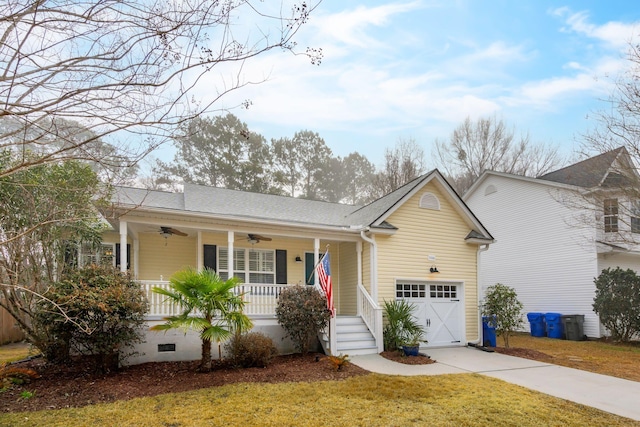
(16, 351)
(607, 358)
(371, 400)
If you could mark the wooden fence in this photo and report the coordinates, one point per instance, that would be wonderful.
(9, 332)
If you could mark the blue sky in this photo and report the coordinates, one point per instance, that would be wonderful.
(417, 69)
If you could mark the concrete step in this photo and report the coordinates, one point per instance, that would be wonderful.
(354, 336)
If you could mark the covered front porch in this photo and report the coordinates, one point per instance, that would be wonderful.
(266, 260)
(346, 334)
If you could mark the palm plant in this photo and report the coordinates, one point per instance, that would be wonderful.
(208, 305)
(400, 328)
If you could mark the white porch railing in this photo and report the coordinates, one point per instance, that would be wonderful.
(261, 299)
(371, 313)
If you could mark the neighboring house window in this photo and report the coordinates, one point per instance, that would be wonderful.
(430, 201)
(260, 268)
(610, 215)
(635, 216)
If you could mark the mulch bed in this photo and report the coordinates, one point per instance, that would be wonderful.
(76, 386)
(398, 356)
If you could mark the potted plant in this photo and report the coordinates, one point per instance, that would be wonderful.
(412, 340)
(401, 328)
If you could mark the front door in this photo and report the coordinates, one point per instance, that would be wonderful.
(309, 278)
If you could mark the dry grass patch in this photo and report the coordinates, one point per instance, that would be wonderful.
(16, 351)
(372, 400)
(614, 359)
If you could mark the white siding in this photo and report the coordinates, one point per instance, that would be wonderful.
(543, 249)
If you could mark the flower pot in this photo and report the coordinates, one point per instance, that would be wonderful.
(411, 350)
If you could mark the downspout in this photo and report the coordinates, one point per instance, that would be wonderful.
(372, 260)
(481, 249)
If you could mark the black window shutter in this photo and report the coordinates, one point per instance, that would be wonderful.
(210, 257)
(281, 266)
(128, 255)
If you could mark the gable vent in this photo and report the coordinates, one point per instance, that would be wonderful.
(429, 201)
(490, 189)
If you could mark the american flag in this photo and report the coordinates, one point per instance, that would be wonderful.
(323, 272)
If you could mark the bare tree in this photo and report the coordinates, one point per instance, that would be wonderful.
(123, 69)
(76, 75)
(404, 163)
(615, 138)
(488, 144)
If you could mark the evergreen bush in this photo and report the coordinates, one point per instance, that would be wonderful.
(617, 302)
(302, 312)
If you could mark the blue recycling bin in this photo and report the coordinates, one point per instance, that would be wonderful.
(489, 331)
(554, 325)
(536, 321)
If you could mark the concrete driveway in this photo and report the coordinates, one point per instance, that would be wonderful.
(614, 395)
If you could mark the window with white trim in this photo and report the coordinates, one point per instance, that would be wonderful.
(610, 215)
(443, 291)
(411, 290)
(102, 254)
(260, 268)
(635, 216)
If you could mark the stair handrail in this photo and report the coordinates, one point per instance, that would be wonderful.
(371, 314)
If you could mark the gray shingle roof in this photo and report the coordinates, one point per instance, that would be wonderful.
(367, 215)
(220, 202)
(587, 173)
(242, 204)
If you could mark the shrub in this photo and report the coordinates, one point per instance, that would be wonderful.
(103, 314)
(338, 362)
(251, 349)
(302, 312)
(617, 302)
(400, 326)
(13, 375)
(502, 301)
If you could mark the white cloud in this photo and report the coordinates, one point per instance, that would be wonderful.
(350, 26)
(616, 34)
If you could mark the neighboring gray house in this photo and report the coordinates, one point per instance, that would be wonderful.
(556, 233)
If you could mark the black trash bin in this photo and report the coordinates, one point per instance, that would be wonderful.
(536, 321)
(573, 325)
(489, 331)
(554, 325)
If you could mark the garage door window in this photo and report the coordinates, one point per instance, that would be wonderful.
(443, 291)
(411, 290)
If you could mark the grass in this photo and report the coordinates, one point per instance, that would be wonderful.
(614, 359)
(15, 351)
(372, 400)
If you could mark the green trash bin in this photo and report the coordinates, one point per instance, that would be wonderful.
(573, 326)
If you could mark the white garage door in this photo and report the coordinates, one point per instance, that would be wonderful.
(439, 309)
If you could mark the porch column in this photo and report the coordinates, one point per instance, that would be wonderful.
(199, 252)
(316, 256)
(359, 261)
(230, 239)
(136, 251)
(359, 267)
(123, 247)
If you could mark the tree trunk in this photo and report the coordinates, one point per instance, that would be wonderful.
(205, 363)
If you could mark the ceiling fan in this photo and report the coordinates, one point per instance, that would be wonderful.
(168, 231)
(256, 238)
